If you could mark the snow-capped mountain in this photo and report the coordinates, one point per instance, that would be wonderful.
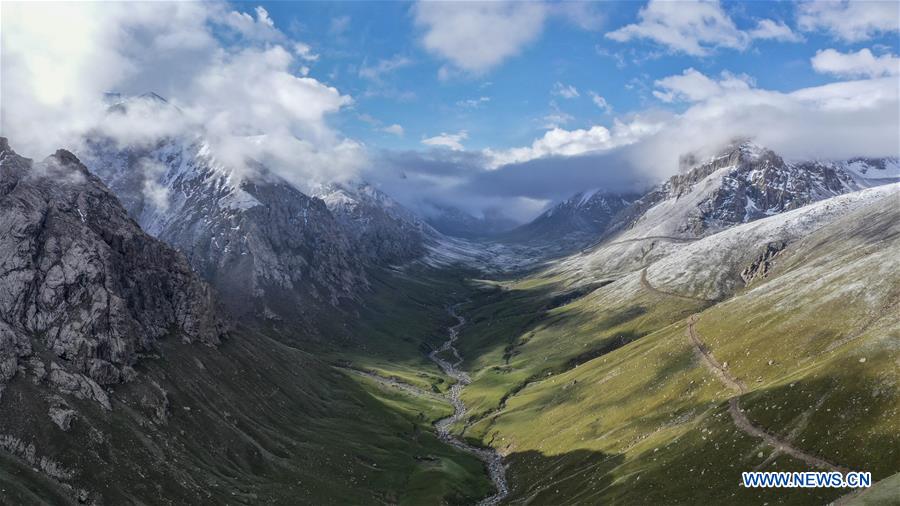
(251, 234)
(747, 182)
(744, 183)
(581, 217)
(383, 230)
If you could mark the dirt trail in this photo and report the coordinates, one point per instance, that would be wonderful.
(734, 407)
(489, 456)
(646, 284)
(669, 238)
(738, 388)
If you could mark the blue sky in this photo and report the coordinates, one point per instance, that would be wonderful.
(508, 104)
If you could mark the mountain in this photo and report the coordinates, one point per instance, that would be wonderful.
(582, 217)
(744, 183)
(455, 222)
(383, 230)
(748, 182)
(84, 292)
(268, 248)
(107, 398)
(750, 348)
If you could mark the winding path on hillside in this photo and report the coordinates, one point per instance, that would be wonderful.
(734, 407)
(489, 456)
(646, 284)
(669, 238)
(741, 421)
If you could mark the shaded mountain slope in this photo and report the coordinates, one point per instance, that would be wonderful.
(269, 249)
(577, 220)
(108, 399)
(84, 291)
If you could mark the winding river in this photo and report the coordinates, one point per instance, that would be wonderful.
(489, 456)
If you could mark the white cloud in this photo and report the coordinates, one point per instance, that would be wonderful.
(599, 101)
(556, 117)
(394, 129)
(859, 64)
(696, 28)
(694, 86)
(833, 121)
(564, 90)
(561, 142)
(554, 142)
(260, 28)
(305, 52)
(582, 14)
(769, 29)
(246, 96)
(850, 21)
(451, 141)
(473, 103)
(477, 36)
(375, 72)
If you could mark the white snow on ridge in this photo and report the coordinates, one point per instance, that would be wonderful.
(485, 256)
(666, 217)
(706, 267)
(864, 170)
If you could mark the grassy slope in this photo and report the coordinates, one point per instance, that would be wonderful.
(402, 321)
(253, 421)
(622, 426)
(594, 393)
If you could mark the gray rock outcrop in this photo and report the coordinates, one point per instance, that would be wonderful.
(82, 287)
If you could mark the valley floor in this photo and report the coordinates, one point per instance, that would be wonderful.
(625, 388)
(636, 391)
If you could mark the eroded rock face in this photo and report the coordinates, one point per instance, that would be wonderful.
(380, 228)
(266, 247)
(81, 285)
(759, 268)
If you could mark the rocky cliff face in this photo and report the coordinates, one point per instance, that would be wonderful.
(745, 183)
(383, 231)
(268, 248)
(83, 290)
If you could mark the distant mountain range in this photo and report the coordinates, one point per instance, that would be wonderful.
(745, 182)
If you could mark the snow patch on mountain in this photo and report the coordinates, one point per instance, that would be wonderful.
(709, 267)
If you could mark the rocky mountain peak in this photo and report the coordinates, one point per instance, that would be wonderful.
(268, 248)
(385, 231)
(582, 217)
(746, 182)
(83, 290)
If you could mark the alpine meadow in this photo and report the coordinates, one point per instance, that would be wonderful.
(453, 252)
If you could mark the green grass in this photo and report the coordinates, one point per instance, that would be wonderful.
(252, 421)
(602, 399)
(594, 394)
(399, 323)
